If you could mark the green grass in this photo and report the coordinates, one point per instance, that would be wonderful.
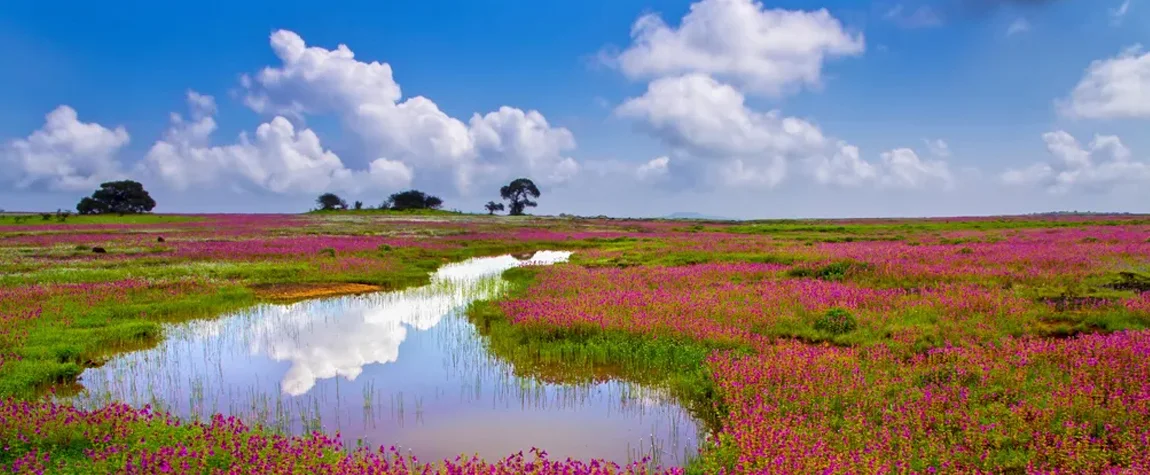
(71, 335)
(686, 258)
(391, 212)
(34, 219)
(834, 271)
(164, 270)
(582, 354)
(795, 227)
(631, 252)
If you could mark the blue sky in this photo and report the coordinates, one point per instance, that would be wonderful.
(863, 98)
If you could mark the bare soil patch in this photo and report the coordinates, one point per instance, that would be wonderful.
(311, 290)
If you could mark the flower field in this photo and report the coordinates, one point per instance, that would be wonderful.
(967, 345)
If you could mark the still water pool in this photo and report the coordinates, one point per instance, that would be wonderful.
(401, 368)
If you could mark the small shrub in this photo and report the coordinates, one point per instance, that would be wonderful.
(836, 321)
(82, 247)
(1089, 239)
(834, 271)
(966, 250)
(45, 216)
(327, 251)
(1134, 281)
(772, 259)
(948, 376)
(384, 248)
(801, 273)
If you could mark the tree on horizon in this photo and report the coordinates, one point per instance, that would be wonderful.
(330, 202)
(120, 197)
(492, 207)
(412, 199)
(519, 193)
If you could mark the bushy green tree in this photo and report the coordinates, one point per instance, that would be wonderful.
(412, 199)
(120, 197)
(492, 207)
(330, 201)
(519, 193)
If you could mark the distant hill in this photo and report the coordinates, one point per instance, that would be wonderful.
(688, 215)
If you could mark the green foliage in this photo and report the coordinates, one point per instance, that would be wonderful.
(519, 193)
(412, 199)
(580, 354)
(71, 336)
(1134, 281)
(148, 218)
(368, 212)
(118, 197)
(834, 271)
(74, 335)
(893, 228)
(330, 202)
(492, 207)
(836, 321)
(723, 457)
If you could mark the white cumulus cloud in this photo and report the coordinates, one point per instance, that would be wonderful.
(64, 155)
(653, 169)
(1100, 166)
(537, 147)
(279, 158)
(710, 124)
(767, 51)
(701, 72)
(1113, 88)
(844, 168)
(898, 168)
(708, 118)
(414, 131)
(903, 168)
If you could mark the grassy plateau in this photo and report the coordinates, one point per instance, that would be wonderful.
(963, 345)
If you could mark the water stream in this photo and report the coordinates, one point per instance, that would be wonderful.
(402, 368)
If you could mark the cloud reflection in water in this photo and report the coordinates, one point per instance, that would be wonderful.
(327, 338)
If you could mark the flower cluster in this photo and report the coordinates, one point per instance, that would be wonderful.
(1033, 406)
(857, 346)
(732, 302)
(122, 439)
